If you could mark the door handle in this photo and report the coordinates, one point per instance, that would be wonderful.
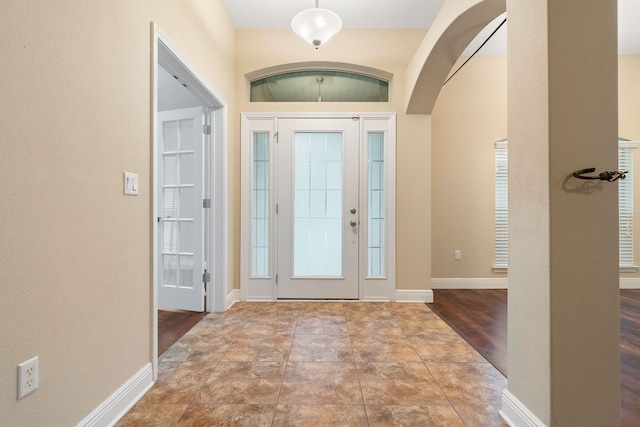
(353, 223)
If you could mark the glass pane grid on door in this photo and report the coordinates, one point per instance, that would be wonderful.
(260, 206)
(178, 204)
(376, 203)
(317, 204)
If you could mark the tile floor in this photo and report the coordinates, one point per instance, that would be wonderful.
(322, 364)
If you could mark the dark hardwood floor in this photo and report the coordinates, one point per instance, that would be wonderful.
(630, 356)
(480, 317)
(173, 324)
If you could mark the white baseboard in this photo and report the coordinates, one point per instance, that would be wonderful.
(232, 298)
(469, 283)
(501, 283)
(426, 295)
(516, 414)
(630, 283)
(118, 404)
(414, 295)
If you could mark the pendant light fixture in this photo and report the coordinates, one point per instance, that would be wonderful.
(317, 25)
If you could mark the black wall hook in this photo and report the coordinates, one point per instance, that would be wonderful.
(604, 176)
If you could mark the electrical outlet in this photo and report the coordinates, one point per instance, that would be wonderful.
(27, 377)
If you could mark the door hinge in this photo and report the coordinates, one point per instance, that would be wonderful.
(276, 208)
(206, 129)
(206, 203)
(206, 277)
(276, 279)
(275, 136)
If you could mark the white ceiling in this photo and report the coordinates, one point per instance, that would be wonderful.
(404, 14)
(172, 94)
(354, 13)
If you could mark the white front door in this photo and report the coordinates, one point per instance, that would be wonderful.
(180, 209)
(318, 218)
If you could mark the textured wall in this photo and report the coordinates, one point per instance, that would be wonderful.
(75, 253)
(470, 115)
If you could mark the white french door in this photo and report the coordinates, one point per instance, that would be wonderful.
(180, 209)
(318, 204)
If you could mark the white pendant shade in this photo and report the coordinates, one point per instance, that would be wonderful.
(317, 25)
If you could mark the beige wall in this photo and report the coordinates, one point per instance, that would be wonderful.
(75, 254)
(470, 115)
(388, 50)
(629, 98)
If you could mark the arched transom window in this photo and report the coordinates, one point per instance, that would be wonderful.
(319, 85)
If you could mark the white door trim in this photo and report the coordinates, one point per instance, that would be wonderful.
(379, 288)
(264, 288)
(164, 49)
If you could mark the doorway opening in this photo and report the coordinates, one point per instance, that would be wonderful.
(189, 202)
(318, 197)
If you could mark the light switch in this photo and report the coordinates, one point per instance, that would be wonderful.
(131, 184)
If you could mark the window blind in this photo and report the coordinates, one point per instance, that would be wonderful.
(625, 205)
(502, 203)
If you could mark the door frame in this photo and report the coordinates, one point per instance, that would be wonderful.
(263, 288)
(215, 182)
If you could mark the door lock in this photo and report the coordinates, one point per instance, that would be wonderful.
(353, 210)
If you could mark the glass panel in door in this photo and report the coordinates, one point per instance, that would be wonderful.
(260, 196)
(317, 204)
(376, 204)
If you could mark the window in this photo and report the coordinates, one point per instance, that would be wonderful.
(625, 202)
(376, 203)
(319, 86)
(260, 205)
(501, 211)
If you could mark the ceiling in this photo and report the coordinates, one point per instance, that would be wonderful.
(404, 14)
(172, 92)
